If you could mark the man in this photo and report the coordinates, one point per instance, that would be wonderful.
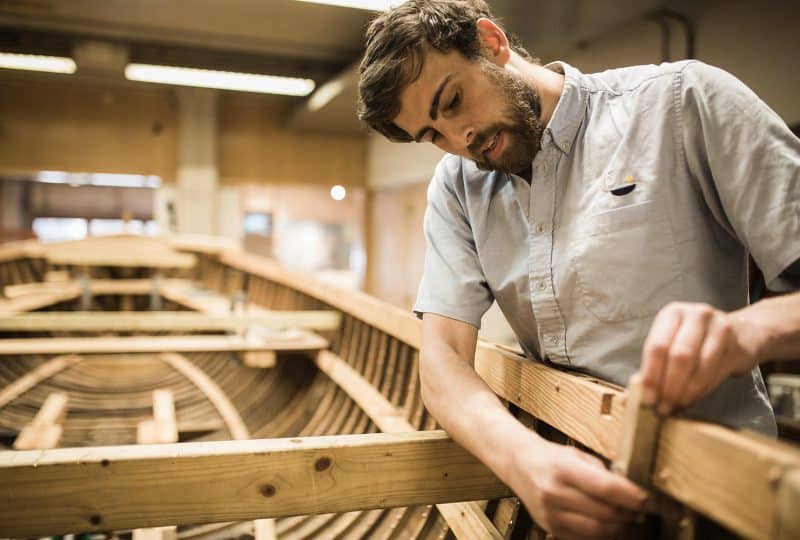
(609, 215)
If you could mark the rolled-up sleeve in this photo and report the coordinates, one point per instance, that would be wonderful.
(747, 163)
(453, 283)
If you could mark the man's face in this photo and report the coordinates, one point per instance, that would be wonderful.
(474, 109)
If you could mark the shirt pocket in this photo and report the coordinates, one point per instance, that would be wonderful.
(626, 263)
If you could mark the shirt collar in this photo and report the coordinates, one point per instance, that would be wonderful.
(570, 109)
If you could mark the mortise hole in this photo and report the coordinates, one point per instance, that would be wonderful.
(605, 405)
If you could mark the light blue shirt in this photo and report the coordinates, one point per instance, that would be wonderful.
(653, 184)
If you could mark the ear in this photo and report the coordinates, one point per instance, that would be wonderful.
(494, 42)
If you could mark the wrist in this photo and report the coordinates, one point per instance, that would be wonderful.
(524, 447)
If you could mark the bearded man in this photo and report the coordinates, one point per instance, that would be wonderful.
(611, 216)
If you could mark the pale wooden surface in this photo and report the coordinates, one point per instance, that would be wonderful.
(45, 429)
(35, 376)
(729, 476)
(166, 321)
(467, 520)
(54, 491)
(290, 340)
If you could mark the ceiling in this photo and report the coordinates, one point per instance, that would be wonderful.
(283, 37)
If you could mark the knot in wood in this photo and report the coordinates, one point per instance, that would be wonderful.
(268, 490)
(322, 463)
(95, 519)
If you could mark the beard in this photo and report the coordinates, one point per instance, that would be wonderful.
(522, 132)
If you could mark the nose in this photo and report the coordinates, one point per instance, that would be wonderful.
(461, 134)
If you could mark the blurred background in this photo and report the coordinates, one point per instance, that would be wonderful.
(99, 135)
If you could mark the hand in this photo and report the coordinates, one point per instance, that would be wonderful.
(690, 350)
(571, 494)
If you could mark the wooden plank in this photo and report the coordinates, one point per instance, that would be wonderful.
(218, 398)
(171, 321)
(112, 488)
(290, 340)
(96, 287)
(264, 359)
(467, 519)
(45, 429)
(729, 476)
(30, 302)
(36, 376)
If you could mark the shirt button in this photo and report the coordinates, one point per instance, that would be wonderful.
(539, 228)
(541, 285)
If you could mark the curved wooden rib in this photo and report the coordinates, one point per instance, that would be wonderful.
(212, 391)
(36, 376)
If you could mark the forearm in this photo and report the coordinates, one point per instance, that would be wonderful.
(470, 412)
(774, 324)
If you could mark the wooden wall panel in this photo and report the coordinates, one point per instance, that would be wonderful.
(396, 249)
(51, 124)
(254, 146)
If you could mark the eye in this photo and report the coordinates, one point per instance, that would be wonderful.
(434, 135)
(454, 102)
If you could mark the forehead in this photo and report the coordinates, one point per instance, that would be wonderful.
(416, 98)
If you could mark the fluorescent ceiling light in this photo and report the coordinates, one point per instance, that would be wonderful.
(36, 62)
(222, 80)
(370, 5)
(325, 94)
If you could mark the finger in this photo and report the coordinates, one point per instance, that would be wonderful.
(574, 525)
(684, 354)
(710, 369)
(569, 499)
(601, 484)
(655, 351)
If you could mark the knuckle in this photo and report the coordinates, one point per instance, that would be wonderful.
(681, 355)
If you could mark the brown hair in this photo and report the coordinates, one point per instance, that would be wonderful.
(396, 42)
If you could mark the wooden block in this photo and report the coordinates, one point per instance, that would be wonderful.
(264, 529)
(156, 485)
(57, 276)
(265, 359)
(45, 429)
(156, 533)
(639, 437)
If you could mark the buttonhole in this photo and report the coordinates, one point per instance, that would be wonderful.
(624, 190)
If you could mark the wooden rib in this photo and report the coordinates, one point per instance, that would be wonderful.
(45, 429)
(467, 520)
(212, 391)
(291, 340)
(390, 319)
(94, 489)
(172, 321)
(36, 376)
(739, 490)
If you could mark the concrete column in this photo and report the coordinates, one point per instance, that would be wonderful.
(195, 199)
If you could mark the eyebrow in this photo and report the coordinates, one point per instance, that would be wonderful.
(434, 110)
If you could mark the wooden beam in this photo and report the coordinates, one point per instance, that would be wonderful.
(38, 300)
(45, 429)
(467, 520)
(36, 376)
(729, 476)
(218, 398)
(292, 340)
(96, 287)
(160, 429)
(112, 488)
(166, 321)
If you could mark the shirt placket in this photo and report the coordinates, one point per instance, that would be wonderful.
(552, 330)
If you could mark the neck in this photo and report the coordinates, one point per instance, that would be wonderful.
(548, 83)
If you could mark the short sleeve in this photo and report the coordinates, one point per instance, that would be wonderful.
(453, 283)
(747, 163)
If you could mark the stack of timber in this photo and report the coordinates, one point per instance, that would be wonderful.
(213, 395)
